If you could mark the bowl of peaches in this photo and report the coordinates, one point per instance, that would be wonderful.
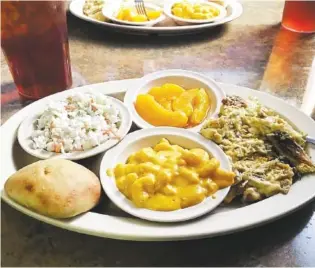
(174, 98)
(127, 14)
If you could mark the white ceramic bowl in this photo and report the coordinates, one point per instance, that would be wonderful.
(185, 79)
(27, 127)
(149, 137)
(110, 11)
(181, 21)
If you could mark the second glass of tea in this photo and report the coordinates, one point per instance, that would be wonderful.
(299, 16)
(34, 40)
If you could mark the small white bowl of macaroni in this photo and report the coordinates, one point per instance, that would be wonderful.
(194, 12)
(166, 174)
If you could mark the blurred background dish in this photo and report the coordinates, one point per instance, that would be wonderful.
(126, 13)
(194, 12)
(234, 9)
(93, 9)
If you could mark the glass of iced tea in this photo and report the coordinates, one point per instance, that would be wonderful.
(299, 16)
(34, 40)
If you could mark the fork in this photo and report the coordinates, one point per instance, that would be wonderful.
(141, 8)
(310, 139)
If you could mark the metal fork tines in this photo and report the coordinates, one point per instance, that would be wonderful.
(141, 8)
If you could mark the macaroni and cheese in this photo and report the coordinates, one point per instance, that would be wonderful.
(168, 177)
(197, 11)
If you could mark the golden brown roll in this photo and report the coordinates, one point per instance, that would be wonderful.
(57, 188)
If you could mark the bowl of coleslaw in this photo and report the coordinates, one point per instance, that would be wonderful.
(74, 126)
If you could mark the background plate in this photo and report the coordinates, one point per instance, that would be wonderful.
(234, 10)
(108, 221)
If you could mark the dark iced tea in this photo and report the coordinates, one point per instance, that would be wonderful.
(299, 16)
(34, 40)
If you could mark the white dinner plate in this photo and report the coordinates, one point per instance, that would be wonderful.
(109, 221)
(234, 10)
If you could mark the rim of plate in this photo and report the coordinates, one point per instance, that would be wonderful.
(168, 12)
(27, 126)
(177, 136)
(76, 8)
(213, 89)
(221, 223)
(110, 14)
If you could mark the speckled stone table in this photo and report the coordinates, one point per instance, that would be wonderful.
(253, 51)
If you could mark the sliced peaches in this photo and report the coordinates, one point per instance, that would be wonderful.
(167, 104)
(155, 114)
(201, 107)
(185, 102)
(167, 91)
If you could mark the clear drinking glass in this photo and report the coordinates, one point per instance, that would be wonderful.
(299, 16)
(34, 40)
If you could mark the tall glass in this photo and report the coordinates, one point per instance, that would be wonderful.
(34, 40)
(299, 16)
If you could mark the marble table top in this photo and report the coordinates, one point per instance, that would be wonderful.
(252, 51)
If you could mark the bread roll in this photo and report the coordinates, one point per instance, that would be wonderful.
(56, 188)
